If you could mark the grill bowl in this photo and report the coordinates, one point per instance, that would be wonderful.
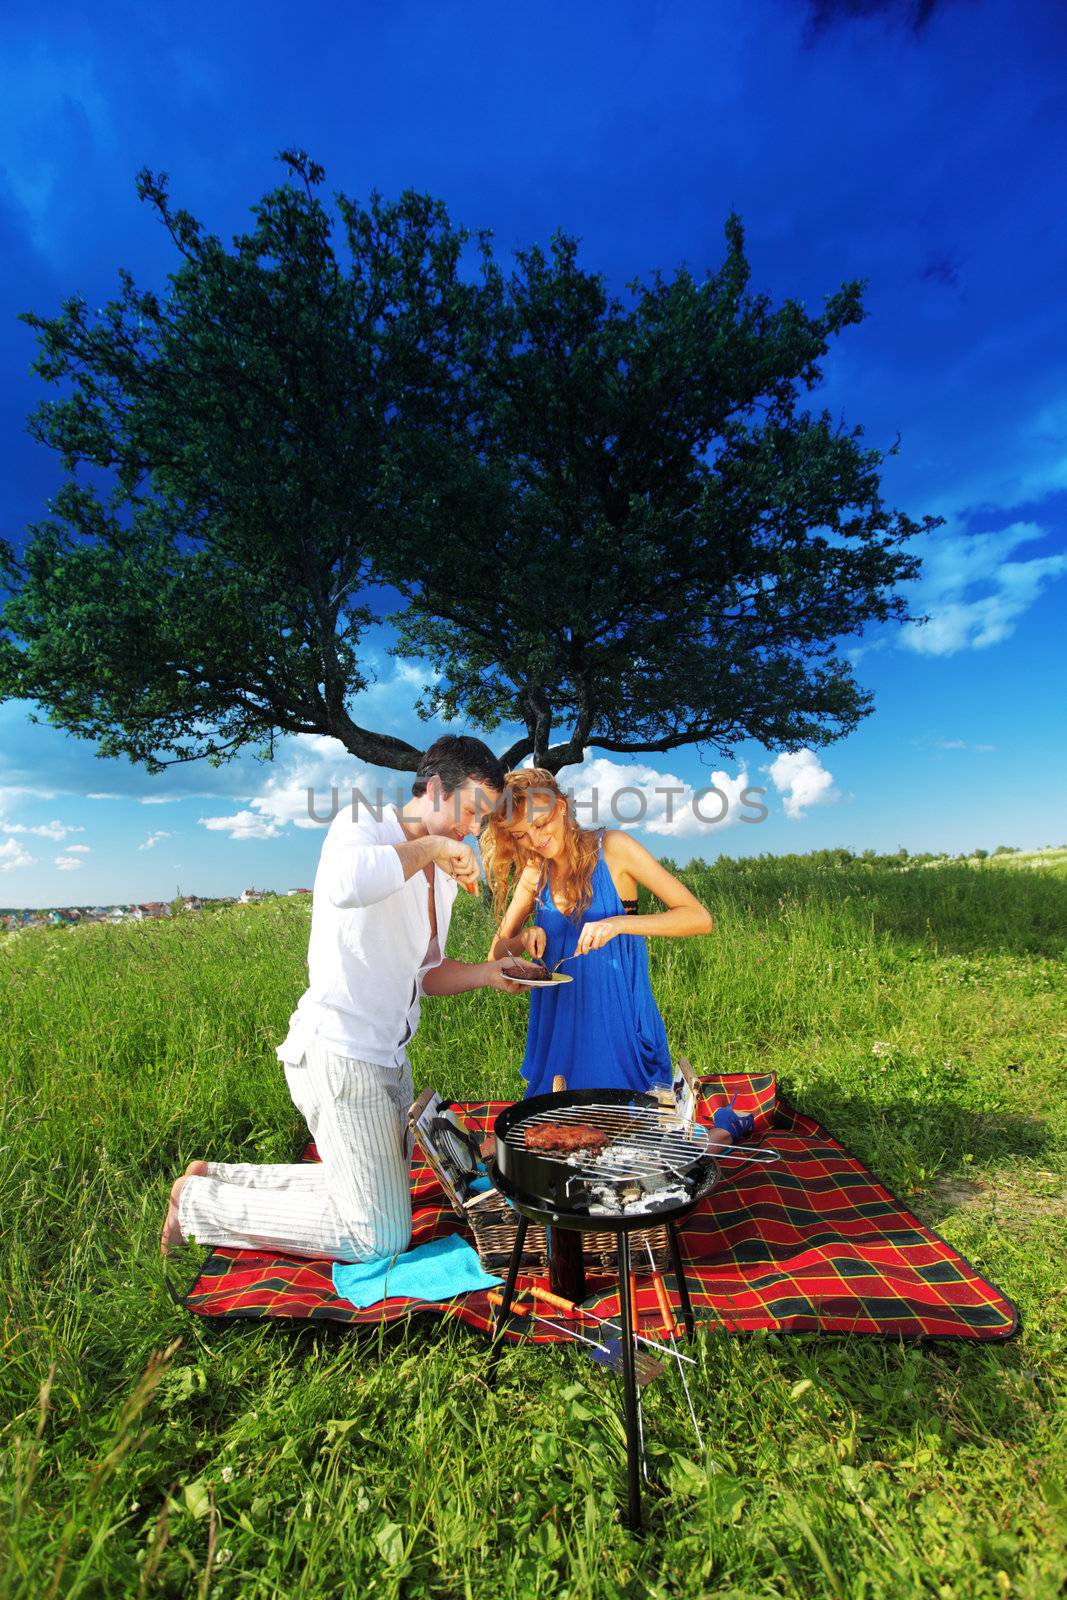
(548, 1184)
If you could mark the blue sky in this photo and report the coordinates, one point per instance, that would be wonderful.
(915, 143)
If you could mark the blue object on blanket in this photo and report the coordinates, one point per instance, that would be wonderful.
(435, 1271)
(738, 1124)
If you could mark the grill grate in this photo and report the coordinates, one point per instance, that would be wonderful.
(632, 1124)
(652, 1159)
(647, 1144)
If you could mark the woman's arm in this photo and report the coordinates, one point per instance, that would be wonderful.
(684, 916)
(511, 939)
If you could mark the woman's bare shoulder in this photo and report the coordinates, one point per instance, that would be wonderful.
(529, 881)
(618, 845)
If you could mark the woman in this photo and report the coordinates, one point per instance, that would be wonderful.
(603, 1030)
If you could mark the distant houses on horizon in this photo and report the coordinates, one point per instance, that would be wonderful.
(13, 919)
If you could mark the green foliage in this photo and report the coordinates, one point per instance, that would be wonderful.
(611, 523)
(247, 421)
(919, 1013)
(683, 544)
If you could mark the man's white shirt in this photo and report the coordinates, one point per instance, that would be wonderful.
(370, 944)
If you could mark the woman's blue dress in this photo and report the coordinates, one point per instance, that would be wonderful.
(603, 1030)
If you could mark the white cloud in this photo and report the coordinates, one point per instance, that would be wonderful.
(802, 780)
(69, 863)
(319, 764)
(953, 744)
(957, 565)
(416, 674)
(40, 88)
(19, 791)
(156, 799)
(397, 690)
(13, 855)
(242, 825)
(153, 839)
(1029, 463)
(79, 849)
(654, 802)
(311, 762)
(56, 831)
(856, 652)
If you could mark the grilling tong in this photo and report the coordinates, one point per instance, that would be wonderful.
(609, 1324)
(612, 1346)
(606, 1353)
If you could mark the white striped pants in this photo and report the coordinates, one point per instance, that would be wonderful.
(354, 1204)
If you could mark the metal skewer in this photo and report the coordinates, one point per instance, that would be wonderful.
(607, 1323)
(605, 1355)
(642, 1132)
(667, 1312)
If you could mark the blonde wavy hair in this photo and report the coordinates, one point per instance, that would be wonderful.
(505, 858)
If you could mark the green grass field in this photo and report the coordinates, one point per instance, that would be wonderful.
(920, 1014)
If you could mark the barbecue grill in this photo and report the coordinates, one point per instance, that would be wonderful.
(652, 1162)
(650, 1166)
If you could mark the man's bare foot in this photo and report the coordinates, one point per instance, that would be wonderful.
(172, 1235)
(196, 1169)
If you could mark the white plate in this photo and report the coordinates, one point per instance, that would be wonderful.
(541, 983)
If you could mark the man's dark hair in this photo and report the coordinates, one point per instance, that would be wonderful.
(454, 759)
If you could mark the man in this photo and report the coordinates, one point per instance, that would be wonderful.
(383, 899)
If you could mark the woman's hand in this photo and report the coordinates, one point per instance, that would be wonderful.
(595, 935)
(533, 942)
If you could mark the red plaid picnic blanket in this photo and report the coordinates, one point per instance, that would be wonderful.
(813, 1244)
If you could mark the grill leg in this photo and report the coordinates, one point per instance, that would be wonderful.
(679, 1275)
(509, 1295)
(566, 1268)
(629, 1380)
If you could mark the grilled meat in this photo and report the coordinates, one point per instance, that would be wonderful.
(565, 1138)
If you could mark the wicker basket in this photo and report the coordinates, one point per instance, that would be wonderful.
(495, 1224)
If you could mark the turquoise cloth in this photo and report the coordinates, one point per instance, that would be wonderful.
(604, 1030)
(435, 1271)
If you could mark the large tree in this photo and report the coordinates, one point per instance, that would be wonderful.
(613, 526)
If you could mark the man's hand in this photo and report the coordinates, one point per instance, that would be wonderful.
(495, 979)
(597, 934)
(533, 942)
(458, 860)
(461, 977)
